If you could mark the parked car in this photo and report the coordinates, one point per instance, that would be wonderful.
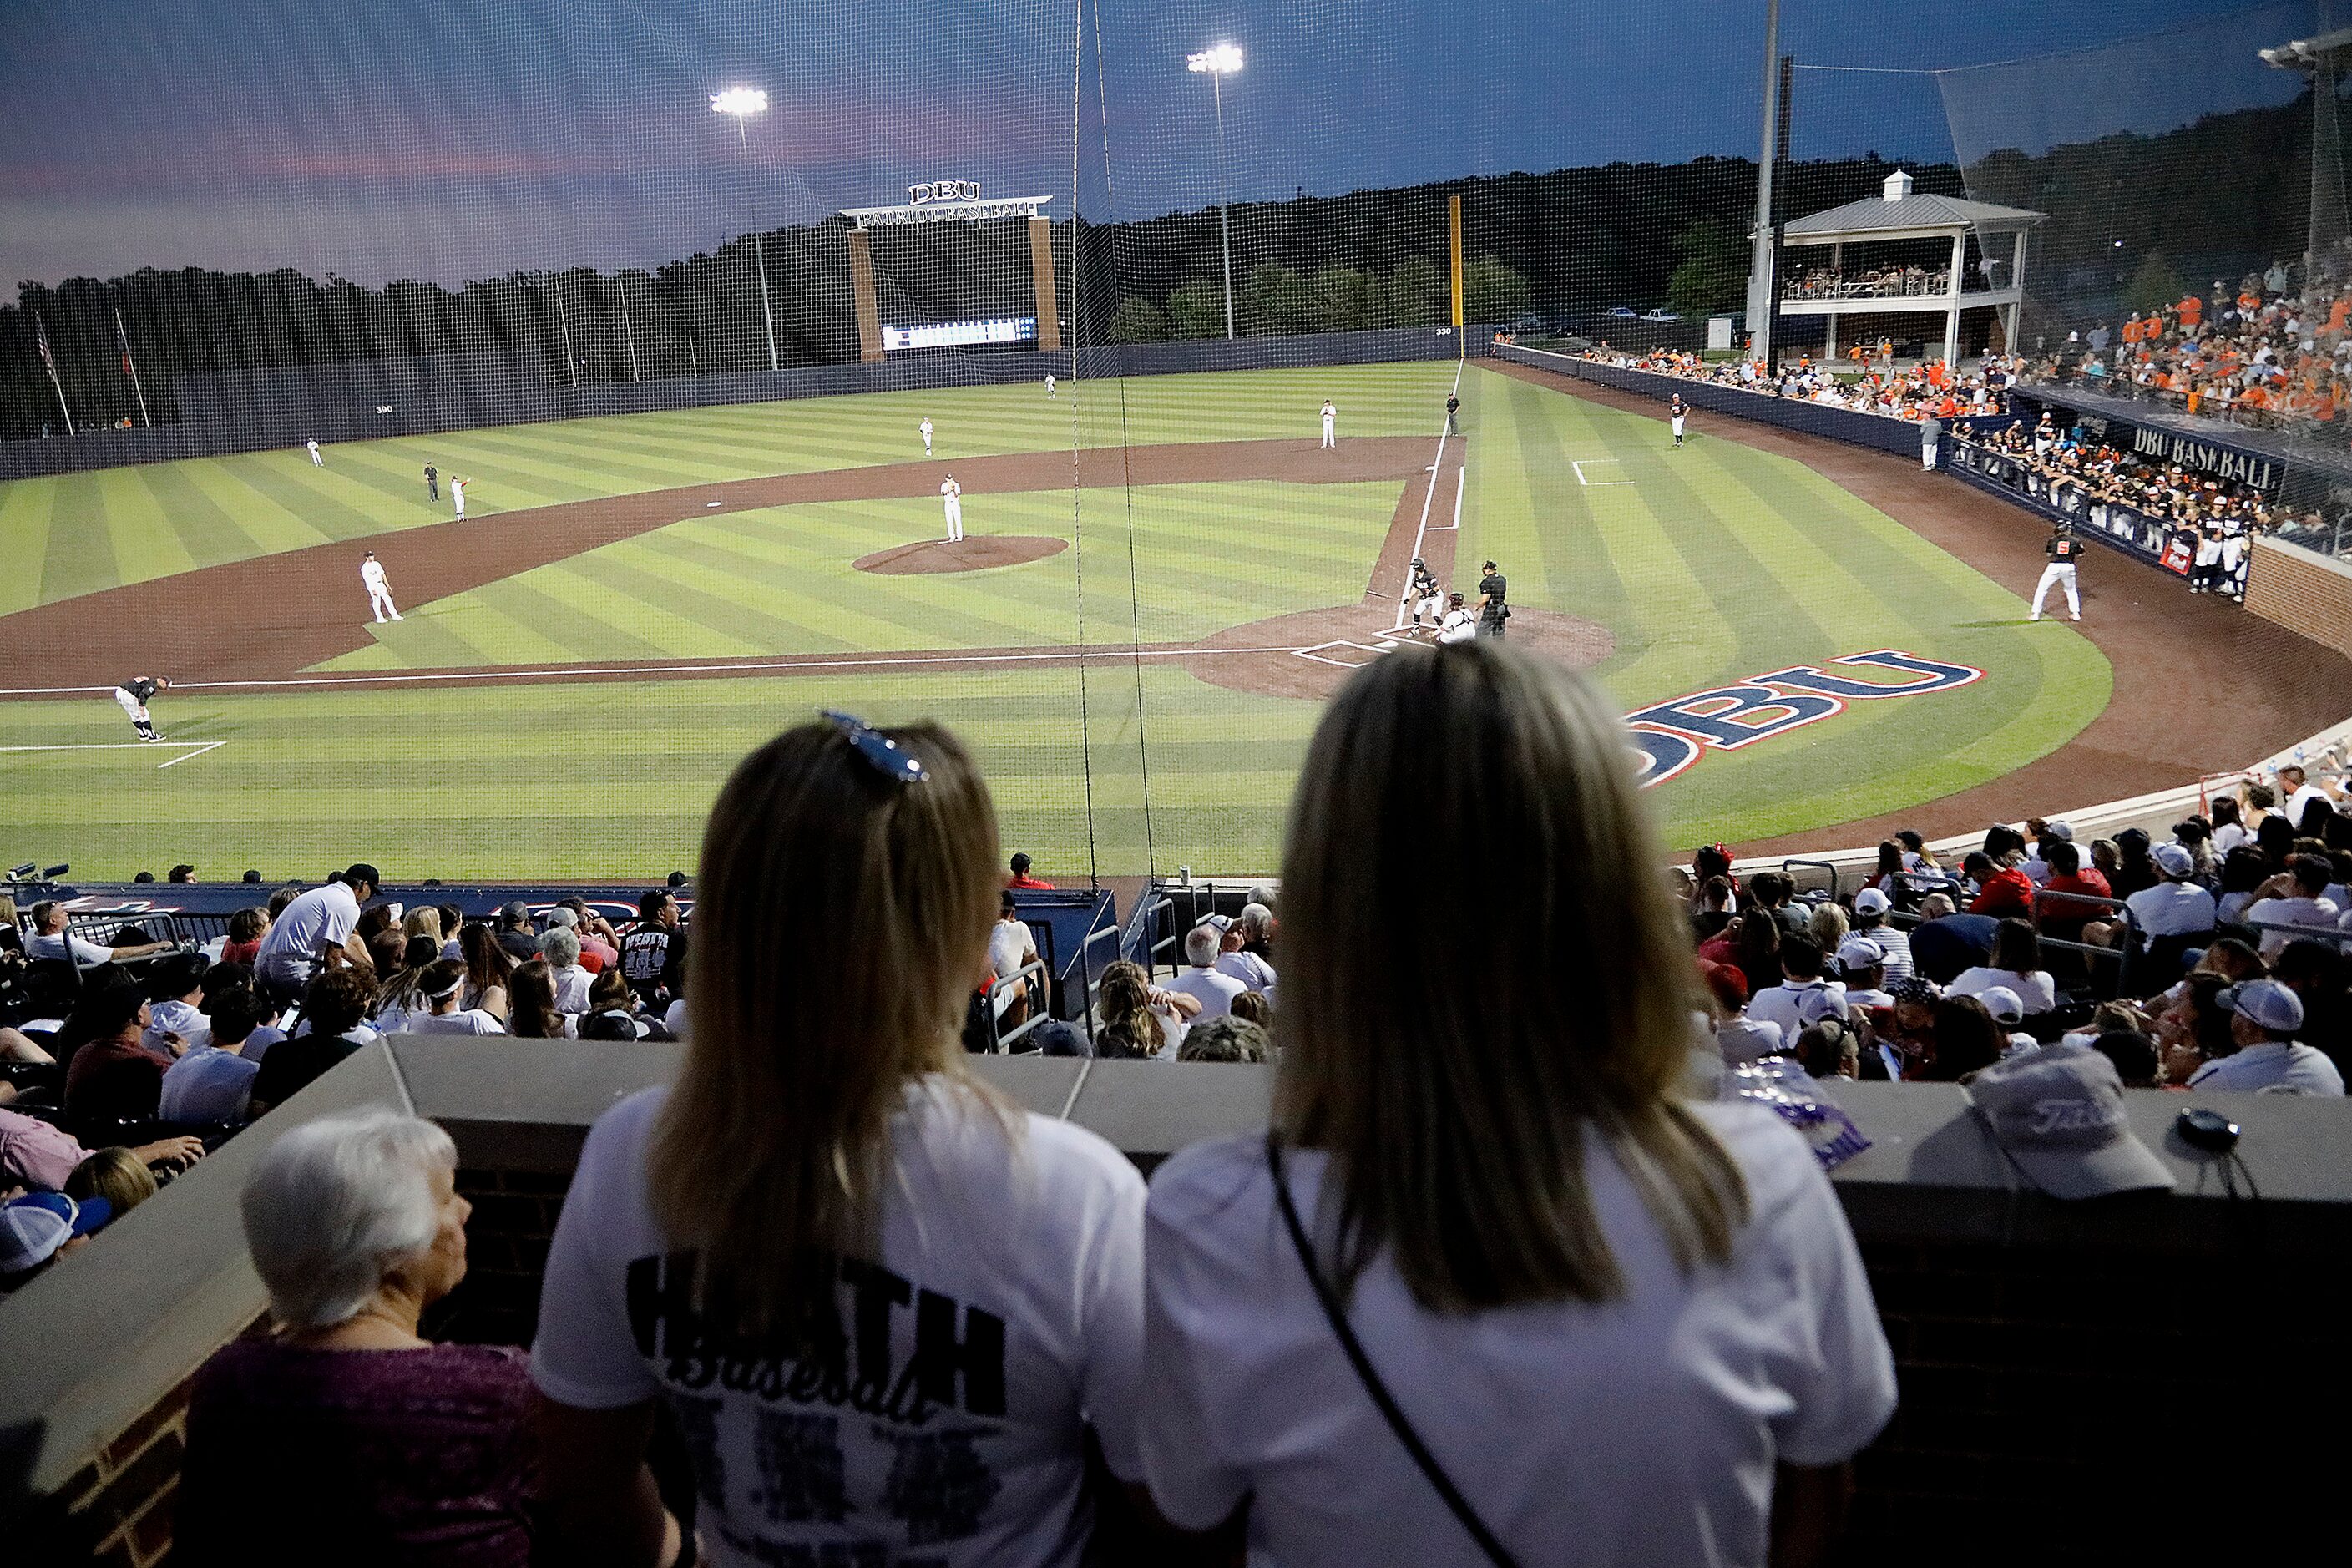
(1626, 313)
(1659, 314)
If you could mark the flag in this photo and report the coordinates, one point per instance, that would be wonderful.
(123, 339)
(41, 339)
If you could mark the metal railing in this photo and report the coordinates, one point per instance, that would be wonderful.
(1029, 981)
(1089, 975)
(1790, 867)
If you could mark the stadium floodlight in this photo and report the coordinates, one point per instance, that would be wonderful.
(742, 102)
(1217, 63)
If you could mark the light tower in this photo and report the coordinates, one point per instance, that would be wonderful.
(1217, 64)
(742, 102)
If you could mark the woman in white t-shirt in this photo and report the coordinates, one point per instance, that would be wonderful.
(2015, 964)
(884, 1303)
(1612, 1316)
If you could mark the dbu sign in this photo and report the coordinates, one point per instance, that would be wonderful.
(943, 191)
(1670, 736)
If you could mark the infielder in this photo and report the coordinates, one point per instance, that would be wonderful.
(1331, 425)
(1424, 595)
(925, 428)
(2064, 550)
(379, 590)
(1459, 625)
(315, 461)
(133, 695)
(1675, 414)
(458, 483)
(952, 494)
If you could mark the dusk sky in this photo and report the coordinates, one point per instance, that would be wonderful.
(442, 141)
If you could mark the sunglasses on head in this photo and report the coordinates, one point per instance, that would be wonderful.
(889, 759)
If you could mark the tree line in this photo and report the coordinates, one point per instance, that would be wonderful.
(1567, 242)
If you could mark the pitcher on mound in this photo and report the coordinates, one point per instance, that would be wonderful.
(952, 494)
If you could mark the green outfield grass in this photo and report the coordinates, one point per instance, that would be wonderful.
(1708, 564)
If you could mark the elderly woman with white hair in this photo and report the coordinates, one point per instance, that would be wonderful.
(560, 945)
(376, 1444)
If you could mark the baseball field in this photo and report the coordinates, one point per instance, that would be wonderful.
(1163, 579)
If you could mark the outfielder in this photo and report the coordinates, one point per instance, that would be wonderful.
(379, 590)
(132, 696)
(952, 493)
(1675, 414)
(1049, 383)
(458, 484)
(1424, 595)
(2064, 548)
(1330, 423)
(925, 428)
(315, 461)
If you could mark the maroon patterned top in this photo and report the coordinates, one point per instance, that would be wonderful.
(412, 1457)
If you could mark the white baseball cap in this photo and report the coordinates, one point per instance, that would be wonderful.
(2272, 1005)
(1860, 952)
(2006, 1005)
(2059, 1113)
(2173, 859)
(1871, 902)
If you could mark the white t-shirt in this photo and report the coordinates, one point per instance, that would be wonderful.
(323, 916)
(2273, 1065)
(1643, 1431)
(1009, 1296)
(2037, 990)
(2295, 912)
(62, 945)
(1008, 943)
(1254, 973)
(571, 983)
(1215, 991)
(174, 1016)
(2172, 909)
(1779, 1004)
(465, 1021)
(207, 1085)
(2228, 837)
(2295, 803)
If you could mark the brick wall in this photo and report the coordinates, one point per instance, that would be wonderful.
(2303, 591)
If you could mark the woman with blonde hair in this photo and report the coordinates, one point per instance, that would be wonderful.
(1490, 1289)
(887, 1303)
(1829, 925)
(1134, 1017)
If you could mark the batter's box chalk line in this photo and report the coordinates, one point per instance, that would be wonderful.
(1578, 464)
(1370, 651)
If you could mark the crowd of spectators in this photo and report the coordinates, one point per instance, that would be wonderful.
(2220, 958)
(1871, 282)
(1878, 384)
(2275, 350)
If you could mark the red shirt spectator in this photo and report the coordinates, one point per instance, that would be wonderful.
(1020, 877)
(2003, 891)
(2092, 881)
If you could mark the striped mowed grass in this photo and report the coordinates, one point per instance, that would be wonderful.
(1706, 565)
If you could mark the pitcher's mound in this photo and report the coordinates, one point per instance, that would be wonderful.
(973, 553)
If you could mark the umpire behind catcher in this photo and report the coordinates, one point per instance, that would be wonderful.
(1493, 612)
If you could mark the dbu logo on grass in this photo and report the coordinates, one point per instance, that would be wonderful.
(1670, 736)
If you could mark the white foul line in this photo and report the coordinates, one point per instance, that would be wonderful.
(1581, 480)
(201, 747)
(1405, 594)
(1461, 478)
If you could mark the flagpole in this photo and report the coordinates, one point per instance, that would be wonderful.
(41, 336)
(132, 366)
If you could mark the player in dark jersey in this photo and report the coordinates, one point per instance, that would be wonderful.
(1424, 595)
(133, 697)
(2064, 550)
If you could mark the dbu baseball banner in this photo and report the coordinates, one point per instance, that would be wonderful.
(1669, 737)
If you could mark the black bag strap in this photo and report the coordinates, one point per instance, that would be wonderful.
(1494, 1550)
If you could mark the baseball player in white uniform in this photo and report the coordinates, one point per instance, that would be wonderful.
(315, 461)
(1330, 423)
(1459, 625)
(925, 428)
(1049, 383)
(2064, 550)
(952, 494)
(379, 590)
(1675, 414)
(457, 494)
(133, 697)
